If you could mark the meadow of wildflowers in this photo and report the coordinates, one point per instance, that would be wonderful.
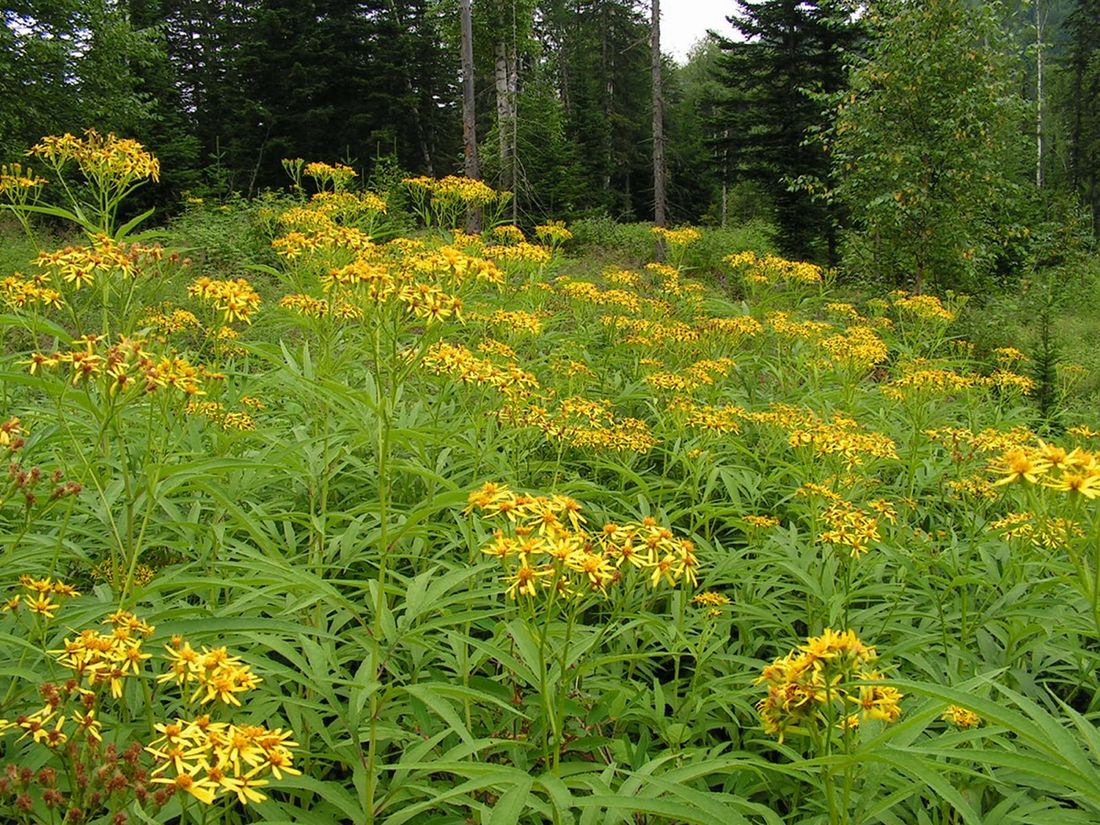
(417, 526)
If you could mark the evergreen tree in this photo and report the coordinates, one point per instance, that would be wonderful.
(694, 165)
(791, 52)
(600, 60)
(1082, 108)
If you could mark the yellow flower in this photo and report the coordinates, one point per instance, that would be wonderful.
(961, 717)
(524, 580)
(201, 788)
(878, 702)
(42, 606)
(245, 788)
(1019, 464)
(1085, 484)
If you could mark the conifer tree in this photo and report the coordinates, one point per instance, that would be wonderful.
(1083, 104)
(789, 52)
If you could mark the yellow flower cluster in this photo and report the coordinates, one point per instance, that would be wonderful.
(512, 320)
(573, 369)
(712, 601)
(452, 266)
(1075, 472)
(39, 594)
(918, 377)
(582, 423)
(840, 435)
(781, 323)
(464, 190)
(669, 277)
(550, 549)
(122, 366)
(989, 440)
(169, 320)
(735, 328)
(201, 757)
(808, 688)
(922, 307)
(644, 332)
(107, 658)
(315, 307)
(850, 526)
(215, 411)
(19, 185)
(1083, 431)
(858, 348)
(553, 233)
(429, 302)
(622, 278)
(491, 346)
(520, 252)
(452, 192)
(583, 290)
(121, 161)
(373, 278)
(1049, 533)
(458, 362)
(960, 717)
(508, 233)
(761, 522)
(846, 311)
(1006, 356)
(110, 571)
(18, 292)
(337, 175)
(1014, 525)
(773, 270)
(976, 488)
(701, 373)
(236, 300)
(295, 244)
(677, 237)
(348, 207)
(307, 219)
(215, 674)
(590, 293)
(11, 434)
(1010, 381)
(210, 759)
(79, 265)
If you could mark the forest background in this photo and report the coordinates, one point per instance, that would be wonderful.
(223, 90)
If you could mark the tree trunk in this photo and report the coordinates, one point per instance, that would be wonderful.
(659, 175)
(506, 80)
(469, 129)
(504, 122)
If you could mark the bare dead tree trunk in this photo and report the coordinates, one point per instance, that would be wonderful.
(513, 119)
(725, 178)
(660, 216)
(469, 126)
(504, 120)
(506, 80)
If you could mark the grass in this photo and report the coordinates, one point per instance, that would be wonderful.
(512, 533)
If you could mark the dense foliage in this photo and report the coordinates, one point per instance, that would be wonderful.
(420, 526)
(927, 147)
